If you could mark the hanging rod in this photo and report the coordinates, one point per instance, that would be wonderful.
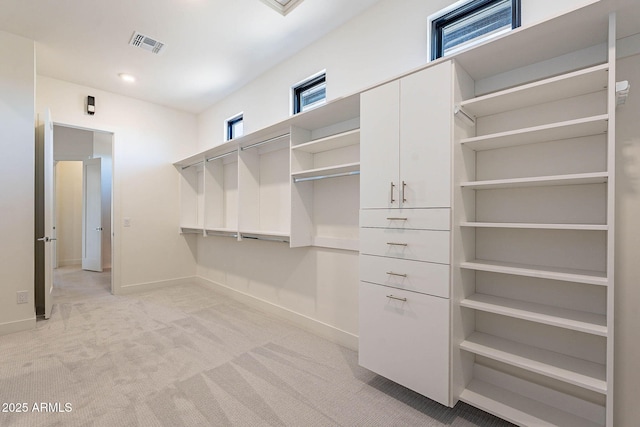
(335, 175)
(210, 159)
(220, 234)
(275, 138)
(193, 164)
(265, 238)
(458, 110)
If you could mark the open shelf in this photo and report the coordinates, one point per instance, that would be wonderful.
(540, 181)
(549, 132)
(579, 372)
(536, 226)
(519, 409)
(581, 321)
(563, 274)
(330, 170)
(332, 142)
(589, 80)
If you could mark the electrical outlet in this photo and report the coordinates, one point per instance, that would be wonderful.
(23, 297)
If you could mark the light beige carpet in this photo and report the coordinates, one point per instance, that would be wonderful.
(187, 356)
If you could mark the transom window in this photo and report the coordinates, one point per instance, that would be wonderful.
(310, 93)
(470, 22)
(235, 127)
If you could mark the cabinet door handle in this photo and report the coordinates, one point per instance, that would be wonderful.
(392, 187)
(397, 298)
(397, 244)
(391, 273)
(404, 188)
(397, 219)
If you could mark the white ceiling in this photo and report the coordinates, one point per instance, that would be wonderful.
(213, 47)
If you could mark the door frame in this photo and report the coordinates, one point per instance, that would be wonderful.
(115, 237)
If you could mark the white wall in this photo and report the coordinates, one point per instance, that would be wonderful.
(72, 144)
(147, 139)
(386, 40)
(17, 180)
(69, 212)
(627, 347)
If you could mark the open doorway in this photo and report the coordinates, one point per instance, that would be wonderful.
(83, 188)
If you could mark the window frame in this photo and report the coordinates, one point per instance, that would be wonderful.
(229, 126)
(459, 11)
(310, 82)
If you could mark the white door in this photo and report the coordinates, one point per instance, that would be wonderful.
(46, 139)
(92, 215)
(379, 139)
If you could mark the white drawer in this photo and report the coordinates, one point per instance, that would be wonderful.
(419, 219)
(417, 276)
(406, 341)
(418, 245)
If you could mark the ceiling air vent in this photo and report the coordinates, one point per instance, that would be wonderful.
(146, 43)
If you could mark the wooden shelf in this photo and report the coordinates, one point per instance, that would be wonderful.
(540, 181)
(332, 142)
(331, 170)
(519, 409)
(551, 132)
(579, 372)
(563, 274)
(590, 323)
(589, 80)
(538, 226)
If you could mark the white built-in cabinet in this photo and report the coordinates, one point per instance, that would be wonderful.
(405, 221)
(483, 212)
(295, 182)
(533, 240)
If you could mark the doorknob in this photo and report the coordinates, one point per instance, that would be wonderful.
(46, 239)
(98, 228)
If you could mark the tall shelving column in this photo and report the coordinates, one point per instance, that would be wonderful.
(534, 245)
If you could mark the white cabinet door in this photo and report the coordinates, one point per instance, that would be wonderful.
(425, 137)
(379, 156)
(406, 341)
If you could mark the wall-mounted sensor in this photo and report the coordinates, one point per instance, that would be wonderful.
(91, 105)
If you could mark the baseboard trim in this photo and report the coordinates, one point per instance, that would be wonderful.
(17, 326)
(317, 327)
(142, 287)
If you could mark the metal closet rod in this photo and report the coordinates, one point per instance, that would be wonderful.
(459, 110)
(334, 175)
(193, 164)
(210, 159)
(275, 138)
(268, 239)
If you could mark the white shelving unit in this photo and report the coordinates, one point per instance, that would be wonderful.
(192, 187)
(272, 184)
(533, 242)
(325, 168)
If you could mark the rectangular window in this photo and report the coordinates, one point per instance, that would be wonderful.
(310, 93)
(235, 127)
(469, 23)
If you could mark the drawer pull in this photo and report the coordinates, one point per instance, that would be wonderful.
(397, 298)
(397, 244)
(397, 219)
(391, 273)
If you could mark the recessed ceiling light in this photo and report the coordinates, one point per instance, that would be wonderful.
(127, 77)
(282, 6)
